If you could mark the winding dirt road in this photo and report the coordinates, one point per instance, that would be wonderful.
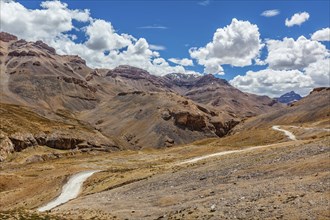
(70, 190)
(275, 127)
(286, 132)
(196, 159)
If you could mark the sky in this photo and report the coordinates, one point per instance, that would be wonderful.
(262, 47)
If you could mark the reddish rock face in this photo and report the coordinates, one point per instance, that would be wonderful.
(23, 53)
(5, 37)
(129, 72)
(190, 121)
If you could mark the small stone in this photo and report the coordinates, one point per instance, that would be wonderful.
(212, 208)
(166, 115)
(311, 202)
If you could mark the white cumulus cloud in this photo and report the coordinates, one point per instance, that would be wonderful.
(289, 54)
(299, 65)
(297, 19)
(319, 72)
(54, 21)
(212, 66)
(273, 82)
(102, 36)
(277, 82)
(182, 62)
(270, 13)
(236, 44)
(321, 35)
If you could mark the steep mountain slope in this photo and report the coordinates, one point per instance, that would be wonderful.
(147, 119)
(313, 108)
(32, 74)
(21, 128)
(129, 78)
(126, 105)
(218, 93)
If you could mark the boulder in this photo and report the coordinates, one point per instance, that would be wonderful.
(6, 147)
(61, 142)
(34, 159)
(169, 142)
(22, 140)
(166, 115)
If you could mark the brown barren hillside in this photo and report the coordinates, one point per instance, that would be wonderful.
(126, 105)
(219, 94)
(312, 108)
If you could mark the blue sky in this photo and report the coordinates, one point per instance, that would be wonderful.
(180, 25)
(192, 24)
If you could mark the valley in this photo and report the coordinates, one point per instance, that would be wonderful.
(122, 143)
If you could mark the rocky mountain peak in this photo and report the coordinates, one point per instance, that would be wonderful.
(289, 97)
(182, 76)
(210, 79)
(6, 37)
(76, 59)
(44, 46)
(180, 79)
(128, 72)
(192, 80)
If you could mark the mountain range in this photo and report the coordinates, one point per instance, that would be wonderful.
(107, 109)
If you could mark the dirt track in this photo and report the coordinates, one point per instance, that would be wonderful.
(283, 182)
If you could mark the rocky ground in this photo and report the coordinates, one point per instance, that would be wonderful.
(287, 180)
(282, 182)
